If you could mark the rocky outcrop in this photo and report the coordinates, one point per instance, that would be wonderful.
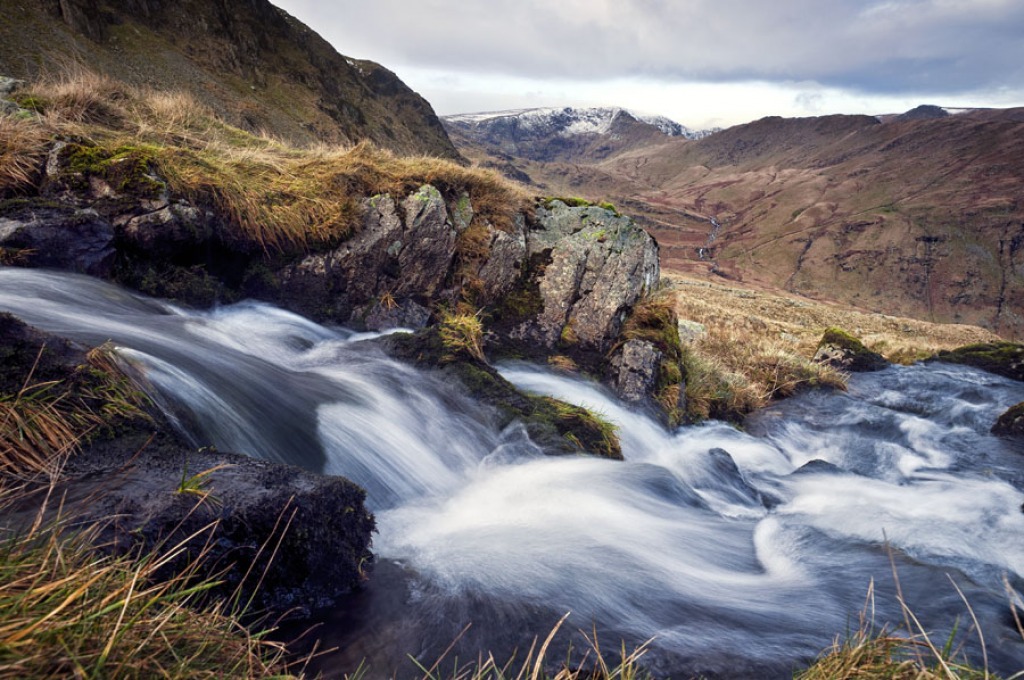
(286, 539)
(841, 350)
(635, 370)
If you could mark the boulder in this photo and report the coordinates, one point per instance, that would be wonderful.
(598, 266)
(841, 350)
(1011, 423)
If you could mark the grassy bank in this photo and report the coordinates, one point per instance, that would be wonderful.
(274, 194)
(746, 347)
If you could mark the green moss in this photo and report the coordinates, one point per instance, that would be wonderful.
(580, 428)
(127, 169)
(571, 201)
(32, 103)
(610, 207)
(844, 351)
(524, 301)
(568, 337)
(1002, 358)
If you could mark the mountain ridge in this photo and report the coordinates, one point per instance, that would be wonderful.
(250, 61)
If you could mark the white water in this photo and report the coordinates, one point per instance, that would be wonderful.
(711, 540)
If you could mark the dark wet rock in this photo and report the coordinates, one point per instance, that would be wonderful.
(244, 511)
(819, 467)
(635, 367)
(131, 478)
(841, 350)
(1010, 423)
(1002, 358)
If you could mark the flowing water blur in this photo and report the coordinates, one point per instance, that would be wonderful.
(741, 553)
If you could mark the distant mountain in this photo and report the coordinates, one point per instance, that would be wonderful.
(563, 134)
(250, 61)
(918, 214)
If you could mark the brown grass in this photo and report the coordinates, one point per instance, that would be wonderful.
(66, 611)
(22, 150)
(276, 195)
(757, 346)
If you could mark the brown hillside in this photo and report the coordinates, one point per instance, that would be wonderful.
(915, 217)
(255, 65)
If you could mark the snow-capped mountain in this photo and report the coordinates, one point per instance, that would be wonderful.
(570, 121)
(563, 134)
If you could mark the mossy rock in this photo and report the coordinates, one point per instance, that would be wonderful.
(555, 426)
(1011, 423)
(1002, 358)
(841, 350)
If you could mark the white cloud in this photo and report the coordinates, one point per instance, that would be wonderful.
(698, 60)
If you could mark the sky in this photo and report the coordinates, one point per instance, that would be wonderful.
(703, 63)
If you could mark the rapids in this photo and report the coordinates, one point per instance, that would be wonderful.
(741, 554)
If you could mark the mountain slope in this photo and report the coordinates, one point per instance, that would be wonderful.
(560, 134)
(919, 215)
(251, 62)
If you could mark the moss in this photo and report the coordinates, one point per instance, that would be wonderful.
(524, 301)
(192, 285)
(844, 351)
(32, 102)
(568, 337)
(610, 207)
(1002, 358)
(571, 201)
(580, 428)
(127, 169)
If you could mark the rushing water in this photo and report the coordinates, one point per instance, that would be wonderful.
(741, 553)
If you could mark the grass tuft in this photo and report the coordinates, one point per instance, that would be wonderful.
(67, 611)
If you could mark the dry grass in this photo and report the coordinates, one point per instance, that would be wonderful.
(43, 423)
(278, 196)
(533, 666)
(22, 150)
(758, 346)
(66, 611)
(462, 334)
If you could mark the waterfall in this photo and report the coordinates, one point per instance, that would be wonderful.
(741, 553)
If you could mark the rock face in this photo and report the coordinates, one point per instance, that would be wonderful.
(595, 267)
(635, 370)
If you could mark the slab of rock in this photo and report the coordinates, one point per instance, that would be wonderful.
(1011, 423)
(841, 350)
(635, 368)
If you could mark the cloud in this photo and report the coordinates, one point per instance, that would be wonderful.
(886, 46)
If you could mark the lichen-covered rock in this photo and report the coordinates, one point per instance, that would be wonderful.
(1002, 358)
(841, 350)
(635, 368)
(599, 265)
(1011, 423)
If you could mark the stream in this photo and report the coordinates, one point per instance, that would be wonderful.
(736, 553)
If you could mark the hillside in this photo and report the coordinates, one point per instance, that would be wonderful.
(917, 216)
(253, 64)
